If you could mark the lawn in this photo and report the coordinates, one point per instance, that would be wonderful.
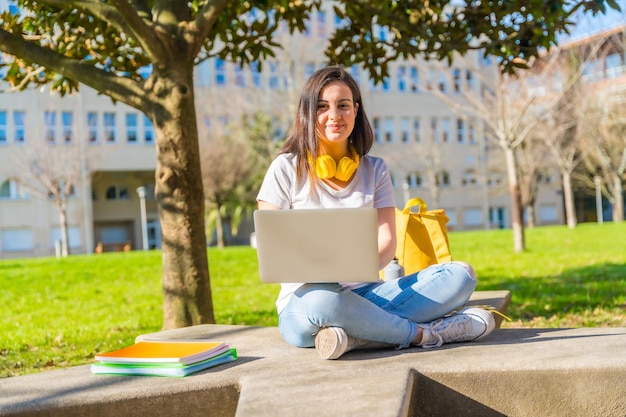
(58, 313)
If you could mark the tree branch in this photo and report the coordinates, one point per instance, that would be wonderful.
(125, 18)
(118, 88)
(205, 20)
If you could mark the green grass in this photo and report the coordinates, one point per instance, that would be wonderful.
(58, 313)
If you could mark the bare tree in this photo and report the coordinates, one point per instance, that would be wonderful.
(52, 171)
(532, 168)
(581, 114)
(226, 170)
(562, 132)
(232, 170)
(507, 108)
(606, 154)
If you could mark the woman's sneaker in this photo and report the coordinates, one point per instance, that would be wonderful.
(465, 325)
(332, 342)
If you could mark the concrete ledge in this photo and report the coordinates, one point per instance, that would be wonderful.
(513, 372)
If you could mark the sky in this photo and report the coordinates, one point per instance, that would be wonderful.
(589, 24)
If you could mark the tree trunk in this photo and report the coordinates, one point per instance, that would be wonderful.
(568, 197)
(63, 226)
(618, 197)
(519, 244)
(219, 228)
(180, 196)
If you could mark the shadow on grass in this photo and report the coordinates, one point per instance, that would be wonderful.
(573, 291)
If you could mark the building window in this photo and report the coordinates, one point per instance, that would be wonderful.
(405, 129)
(356, 73)
(92, 127)
(469, 178)
(17, 240)
(451, 213)
(548, 213)
(389, 136)
(414, 180)
(456, 75)
(460, 130)
(67, 121)
(386, 85)
(19, 118)
(307, 28)
(220, 72)
(471, 134)
(131, 127)
(497, 217)
(377, 133)
(11, 190)
(321, 24)
(469, 80)
(445, 130)
(73, 236)
(117, 192)
(614, 66)
(442, 179)
(109, 127)
(50, 122)
(494, 179)
(148, 130)
(274, 76)
(443, 82)
(417, 133)
(3, 127)
(544, 178)
(240, 76)
(402, 82)
(415, 79)
(255, 74)
(472, 217)
(59, 188)
(434, 130)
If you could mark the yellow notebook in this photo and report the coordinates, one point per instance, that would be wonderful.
(164, 352)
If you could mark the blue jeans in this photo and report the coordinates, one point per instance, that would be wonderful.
(379, 312)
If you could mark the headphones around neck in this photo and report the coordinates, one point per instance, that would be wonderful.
(326, 167)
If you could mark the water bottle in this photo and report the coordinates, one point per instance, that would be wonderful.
(393, 270)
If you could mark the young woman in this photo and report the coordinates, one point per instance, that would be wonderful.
(324, 164)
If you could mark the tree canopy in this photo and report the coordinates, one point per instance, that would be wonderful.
(119, 37)
(142, 53)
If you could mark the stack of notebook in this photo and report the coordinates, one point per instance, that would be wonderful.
(164, 358)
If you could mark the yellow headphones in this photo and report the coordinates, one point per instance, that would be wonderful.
(326, 167)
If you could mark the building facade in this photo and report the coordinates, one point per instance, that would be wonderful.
(431, 151)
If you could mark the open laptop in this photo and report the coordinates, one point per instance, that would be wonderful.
(317, 245)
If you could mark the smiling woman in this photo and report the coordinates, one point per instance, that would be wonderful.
(324, 164)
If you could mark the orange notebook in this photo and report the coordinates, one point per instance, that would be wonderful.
(164, 352)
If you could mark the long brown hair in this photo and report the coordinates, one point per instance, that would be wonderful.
(302, 138)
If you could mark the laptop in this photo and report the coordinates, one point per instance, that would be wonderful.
(317, 245)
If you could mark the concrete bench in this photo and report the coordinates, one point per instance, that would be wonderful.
(513, 372)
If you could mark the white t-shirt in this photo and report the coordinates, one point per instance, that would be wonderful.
(370, 187)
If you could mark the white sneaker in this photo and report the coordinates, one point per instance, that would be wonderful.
(465, 325)
(332, 342)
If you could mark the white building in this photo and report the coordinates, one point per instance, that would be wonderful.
(431, 152)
